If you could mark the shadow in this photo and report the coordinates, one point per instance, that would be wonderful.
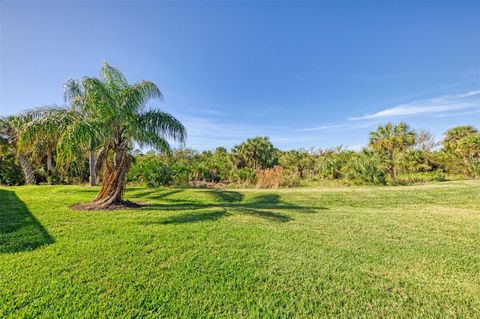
(190, 218)
(266, 206)
(266, 199)
(226, 196)
(156, 193)
(265, 214)
(19, 229)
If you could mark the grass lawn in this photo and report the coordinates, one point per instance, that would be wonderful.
(371, 252)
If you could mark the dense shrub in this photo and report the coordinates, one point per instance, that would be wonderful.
(245, 176)
(421, 177)
(10, 172)
(150, 171)
(365, 169)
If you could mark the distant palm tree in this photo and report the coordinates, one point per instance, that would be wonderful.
(391, 139)
(117, 117)
(463, 142)
(455, 134)
(10, 127)
(257, 152)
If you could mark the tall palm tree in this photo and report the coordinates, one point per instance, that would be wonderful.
(118, 116)
(10, 127)
(391, 139)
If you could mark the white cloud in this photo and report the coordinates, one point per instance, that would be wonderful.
(335, 127)
(322, 128)
(442, 104)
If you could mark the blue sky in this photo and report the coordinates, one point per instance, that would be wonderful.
(306, 74)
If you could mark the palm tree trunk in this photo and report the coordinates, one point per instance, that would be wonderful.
(100, 161)
(92, 165)
(49, 167)
(27, 170)
(392, 166)
(113, 186)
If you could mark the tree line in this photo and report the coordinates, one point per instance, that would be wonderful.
(394, 155)
(92, 139)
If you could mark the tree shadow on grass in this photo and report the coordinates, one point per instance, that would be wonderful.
(191, 217)
(155, 193)
(265, 206)
(19, 229)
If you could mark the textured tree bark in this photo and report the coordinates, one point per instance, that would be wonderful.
(49, 167)
(113, 186)
(92, 165)
(392, 166)
(27, 170)
(100, 161)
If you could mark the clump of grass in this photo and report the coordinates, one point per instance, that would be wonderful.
(276, 177)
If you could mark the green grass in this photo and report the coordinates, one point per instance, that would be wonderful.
(325, 252)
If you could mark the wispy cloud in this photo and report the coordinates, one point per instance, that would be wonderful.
(441, 104)
(322, 128)
(335, 127)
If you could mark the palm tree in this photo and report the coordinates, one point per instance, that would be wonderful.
(48, 123)
(10, 127)
(42, 144)
(463, 143)
(117, 115)
(391, 139)
(455, 134)
(257, 152)
(44, 131)
(75, 94)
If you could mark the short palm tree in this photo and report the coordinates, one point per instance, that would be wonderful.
(51, 125)
(391, 139)
(117, 117)
(257, 152)
(10, 127)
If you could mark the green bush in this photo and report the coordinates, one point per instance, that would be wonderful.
(246, 176)
(10, 172)
(365, 169)
(421, 177)
(150, 171)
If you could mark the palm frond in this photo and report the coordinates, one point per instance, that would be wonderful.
(161, 124)
(112, 77)
(72, 89)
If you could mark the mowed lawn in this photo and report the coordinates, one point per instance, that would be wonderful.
(341, 252)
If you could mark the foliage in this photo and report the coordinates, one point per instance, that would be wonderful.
(462, 147)
(421, 177)
(255, 153)
(331, 163)
(150, 171)
(365, 169)
(300, 163)
(10, 172)
(390, 140)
